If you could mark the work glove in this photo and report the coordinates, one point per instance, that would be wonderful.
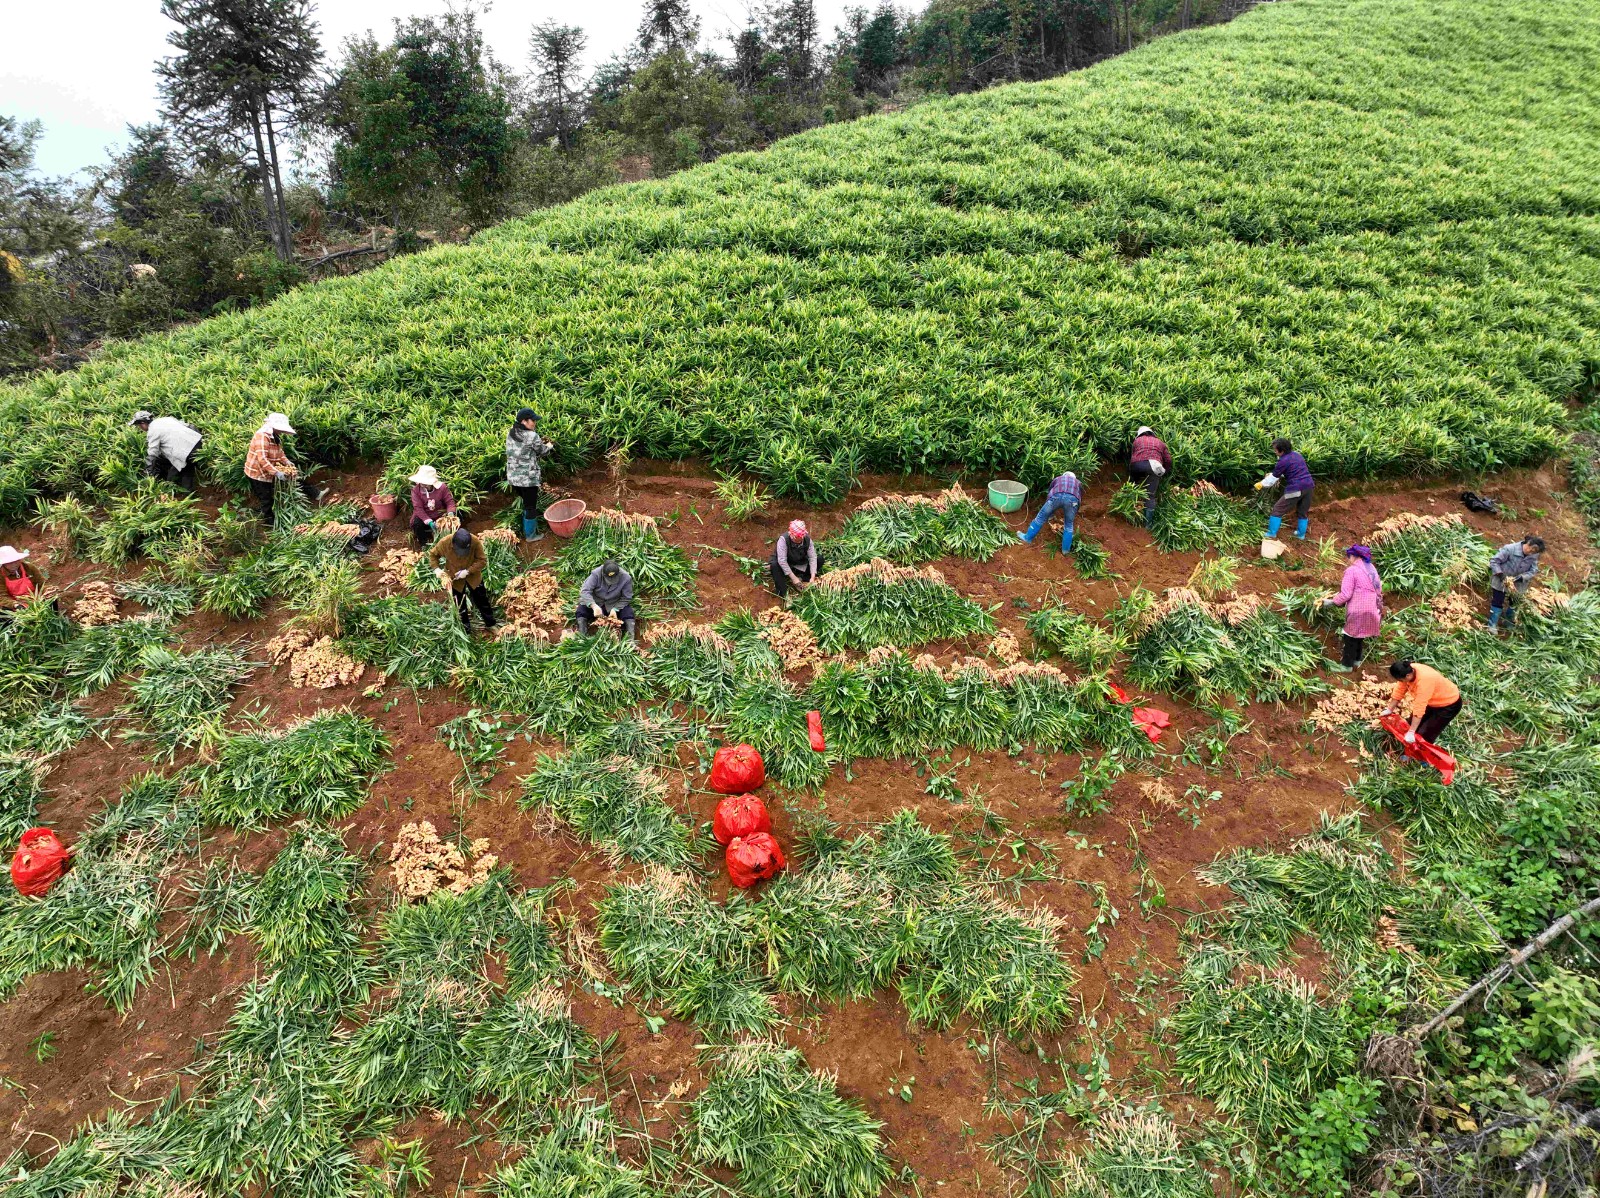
(430, 524)
(595, 608)
(461, 573)
(1411, 738)
(1156, 468)
(278, 476)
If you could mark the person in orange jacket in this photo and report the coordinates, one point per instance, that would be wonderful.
(1434, 699)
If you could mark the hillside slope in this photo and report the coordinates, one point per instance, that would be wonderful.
(1369, 224)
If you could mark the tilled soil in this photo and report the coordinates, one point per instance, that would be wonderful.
(1274, 784)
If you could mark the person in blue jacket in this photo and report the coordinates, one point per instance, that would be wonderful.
(1292, 471)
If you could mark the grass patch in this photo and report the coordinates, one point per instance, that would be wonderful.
(1058, 629)
(1427, 555)
(784, 1128)
(181, 697)
(1191, 519)
(419, 643)
(320, 768)
(880, 604)
(661, 572)
(615, 802)
(910, 529)
(305, 923)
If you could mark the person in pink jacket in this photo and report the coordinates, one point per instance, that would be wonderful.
(1361, 596)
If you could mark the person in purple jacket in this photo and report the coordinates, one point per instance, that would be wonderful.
(1065, 494)
(430, 499)
(1361, 596)
(1295, 476)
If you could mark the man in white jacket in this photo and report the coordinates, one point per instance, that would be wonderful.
(169, 448)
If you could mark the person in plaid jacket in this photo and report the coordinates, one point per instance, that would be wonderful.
(265, 463)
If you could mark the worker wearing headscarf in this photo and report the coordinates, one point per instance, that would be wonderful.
(265, 463)
(1064, 496)
(608, 591)
(430, 500)
(169, 446)
(1148, 463)
(1361, 596)
(525, 449)
(794, 560)
(460, 562)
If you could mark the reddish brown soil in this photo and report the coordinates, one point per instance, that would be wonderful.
(1274, 784)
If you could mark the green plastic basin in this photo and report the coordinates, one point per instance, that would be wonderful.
(1006, 496)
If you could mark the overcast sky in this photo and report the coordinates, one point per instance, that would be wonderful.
(84, 67)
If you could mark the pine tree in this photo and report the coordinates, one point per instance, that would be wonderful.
(556, 51)
(667, 25)
(243, 67)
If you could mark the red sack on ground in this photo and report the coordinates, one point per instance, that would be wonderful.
(1117, 693)
(753, 859)
(737, 770)
(739, 815)
(1150, 721)
(39, 862)
(814, 729)
(1421, 750)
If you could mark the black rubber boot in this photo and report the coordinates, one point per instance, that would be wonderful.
(583, 625)
(628, 631)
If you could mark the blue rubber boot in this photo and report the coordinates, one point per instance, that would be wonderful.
(1300, 528)
(530, 529)
(1066, 540)
(1033, 529)
(1494, 616)
(1273, 524)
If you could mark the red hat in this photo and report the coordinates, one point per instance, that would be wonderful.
(798, 530)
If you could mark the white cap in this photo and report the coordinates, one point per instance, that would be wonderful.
(9, 555)
(140, 417)
(426, 476)
(278, 423)
(1143, 429)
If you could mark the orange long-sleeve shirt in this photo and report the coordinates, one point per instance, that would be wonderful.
(1427, 688)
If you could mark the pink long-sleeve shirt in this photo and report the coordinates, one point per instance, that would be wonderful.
(1361, 596)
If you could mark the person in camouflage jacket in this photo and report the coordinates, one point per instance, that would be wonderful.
(524, 450)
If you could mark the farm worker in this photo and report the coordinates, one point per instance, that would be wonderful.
(1148, 462)
(524, 448)
(430, 499)
(169, 446)
(608, 591)
(22, 578)
(265, 463)
(794, 560)
(1064, 496)
(1435, 700)
(1291, 470)
(460, 562)
(1361, 596)
(1516, 563)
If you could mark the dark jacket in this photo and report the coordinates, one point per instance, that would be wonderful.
(443, 556)
(1293, 472)
(609, 593)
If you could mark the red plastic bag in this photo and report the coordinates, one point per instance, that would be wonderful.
(39, 862)
(1150, 721)
(1117, 693)
(1421, 750)
(737, 770)
(739, 815)
(814, 729)
(753, 859)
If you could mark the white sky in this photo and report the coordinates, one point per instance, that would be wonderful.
(84, 67)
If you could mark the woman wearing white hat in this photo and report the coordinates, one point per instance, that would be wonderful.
(23, 580)
(265, 463)
(430, 500)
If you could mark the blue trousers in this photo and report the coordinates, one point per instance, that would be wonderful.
(1068, 507)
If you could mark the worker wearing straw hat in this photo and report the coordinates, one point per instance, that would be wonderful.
(169, 446)
(23, 580)
(431, 500)
(265, 463)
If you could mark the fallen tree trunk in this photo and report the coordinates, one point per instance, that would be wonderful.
(1502, 971)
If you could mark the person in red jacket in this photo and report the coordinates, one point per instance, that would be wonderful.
(1149, 463)
(430, 500)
